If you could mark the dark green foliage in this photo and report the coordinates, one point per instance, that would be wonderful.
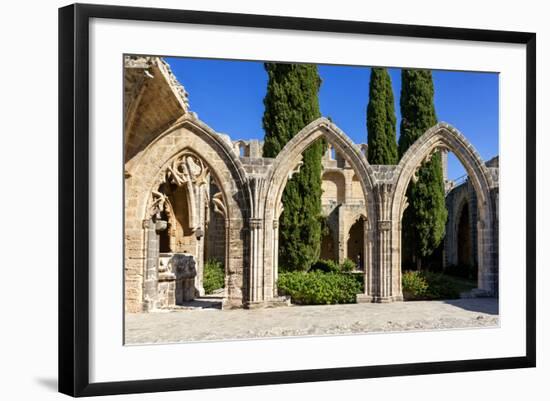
(213, 276)
(425, 217)
(330, 266)
(426, 285)
(382, 140)
(465, 271)
(347, 265)
(318, 288)
(325, 266)
(291, 103)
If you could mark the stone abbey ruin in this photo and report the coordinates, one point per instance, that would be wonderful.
(192, 194)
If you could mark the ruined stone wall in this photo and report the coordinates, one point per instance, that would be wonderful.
(461, 193)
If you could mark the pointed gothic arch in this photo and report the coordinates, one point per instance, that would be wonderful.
(288, 162)
(189, 136)
(445, 137)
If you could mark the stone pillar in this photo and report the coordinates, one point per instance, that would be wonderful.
(150, 282)
(384, 261)
(369, 271)
(383, 280)
(342, 235)
(234, 258)
(256, 260)
(275, 255)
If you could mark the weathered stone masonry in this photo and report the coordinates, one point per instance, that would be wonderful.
(174, 159)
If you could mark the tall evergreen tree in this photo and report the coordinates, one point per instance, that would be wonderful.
(382, 140)
(291, 103)
(425, 217)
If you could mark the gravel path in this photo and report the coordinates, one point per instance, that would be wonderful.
(215, 324)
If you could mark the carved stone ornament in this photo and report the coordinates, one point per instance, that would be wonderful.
(188, 168)
(384, 225)
(426, 159)
(295, 170)
(219, 206)
(158, 203)
(255, 224)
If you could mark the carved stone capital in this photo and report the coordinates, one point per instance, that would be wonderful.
(255, 224)
(384, 225)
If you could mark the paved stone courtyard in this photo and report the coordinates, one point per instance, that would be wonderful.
(203, 321)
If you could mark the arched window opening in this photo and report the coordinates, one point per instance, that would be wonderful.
(355, 245)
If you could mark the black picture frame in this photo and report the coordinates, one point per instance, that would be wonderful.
(74, 198)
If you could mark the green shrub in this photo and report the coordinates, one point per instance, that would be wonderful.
(213, 278)
(326, 266)
(429, 285)
(318, 288)
(347, 265)
(415, 285)
(441, 286)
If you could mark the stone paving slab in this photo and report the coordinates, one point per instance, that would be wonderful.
(214, 324)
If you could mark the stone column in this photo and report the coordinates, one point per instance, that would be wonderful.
(275, 255)
(256, 260)
(199, 235)
(233, 264)
(384, 283)
(369, 271)
(150, 282)
(342, 235)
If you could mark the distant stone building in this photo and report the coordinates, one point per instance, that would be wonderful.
(460, 245)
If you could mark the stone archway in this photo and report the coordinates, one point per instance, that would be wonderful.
(355, 237)
(161, 160)
(445, 137)
(288, 162)
(464, 239)
(329, 248)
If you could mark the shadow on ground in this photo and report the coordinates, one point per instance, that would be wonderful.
(482, 305)
(203, 303)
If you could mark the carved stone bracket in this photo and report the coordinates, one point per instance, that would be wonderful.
(219, 206)
(426, 159)
(158, 204)
(295, 170)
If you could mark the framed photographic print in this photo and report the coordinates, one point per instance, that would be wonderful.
(295, 199)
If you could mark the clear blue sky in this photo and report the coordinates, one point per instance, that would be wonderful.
(228, 96)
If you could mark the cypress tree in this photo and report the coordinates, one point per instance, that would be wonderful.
(290, 104)
(382, 141)
(425, 217)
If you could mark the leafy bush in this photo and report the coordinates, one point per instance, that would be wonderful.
(318, 288)
(441, 286)
(326, 266)
(415, 285)
(347, 265)
(429, 285)
(213, 278)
